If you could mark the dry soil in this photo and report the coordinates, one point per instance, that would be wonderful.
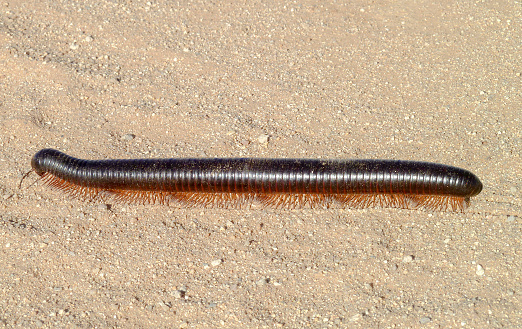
(415, 80)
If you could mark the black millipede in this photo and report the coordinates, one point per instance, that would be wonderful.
(289, 183)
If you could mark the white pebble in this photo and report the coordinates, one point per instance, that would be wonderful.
(262, 281)
(407, 259)
(128, 137)
(355, 318)
(216, 262)
(164, 305)
(480, 270)
(178, 294)
(263, 139)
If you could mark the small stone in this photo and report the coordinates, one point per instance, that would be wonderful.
(128, 137)
(183, 325)
(73, 46)
(216, 262)
(425, 320)
(262, 281)
(480, 270)
(408, 259)
(511, 218)
(263, 139)
(164, 306)
(355, 317)
(104, 206)
(88, 38)
(178, 294)
(212, 305)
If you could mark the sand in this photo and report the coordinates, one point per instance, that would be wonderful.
(404, 80)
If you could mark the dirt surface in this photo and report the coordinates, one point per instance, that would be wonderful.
(408, 80)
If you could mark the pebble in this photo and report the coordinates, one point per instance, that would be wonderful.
(73, 46)
(355, 318)
(128, 137)
(263, 281)
(511, 218)
(178, 294)
(164, 306)
(425, 320)
(88, 38)
(216, 262)
(104, 206)
(263, 139)
(408, 259)
(480, 270)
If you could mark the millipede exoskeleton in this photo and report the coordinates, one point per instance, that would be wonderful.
(223, 182)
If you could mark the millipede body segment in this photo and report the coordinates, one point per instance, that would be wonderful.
(223, 182)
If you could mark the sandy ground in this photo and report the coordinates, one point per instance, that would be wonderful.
(390, 79)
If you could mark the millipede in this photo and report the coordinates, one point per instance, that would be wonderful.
(280, 183)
